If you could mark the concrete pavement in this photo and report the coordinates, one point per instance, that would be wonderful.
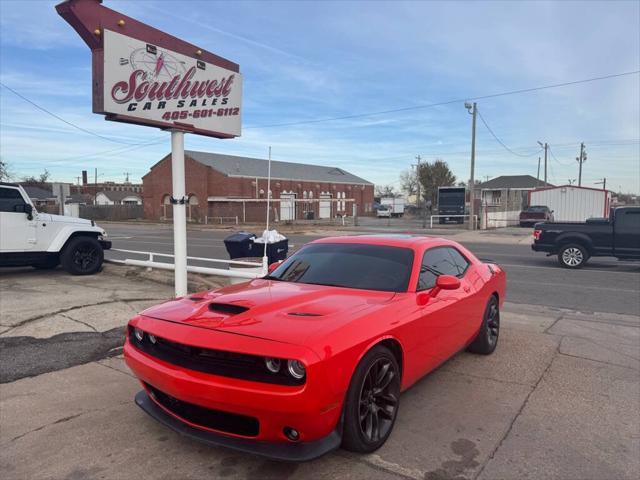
(560, 398)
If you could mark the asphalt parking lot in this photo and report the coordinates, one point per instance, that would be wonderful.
(560, 398)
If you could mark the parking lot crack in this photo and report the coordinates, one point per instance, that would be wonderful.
(115, 369)
(79, 321)
(76, 307)
(63, 420)
(518, 413)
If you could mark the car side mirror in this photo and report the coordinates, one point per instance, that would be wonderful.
(445, 282)
(24, 208)
(273, 266)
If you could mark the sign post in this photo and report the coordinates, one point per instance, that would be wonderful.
(144, 76)
(179, 201)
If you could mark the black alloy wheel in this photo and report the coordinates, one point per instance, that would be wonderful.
(82, 256)
(487, 338)
(378, 402)
(372, 401)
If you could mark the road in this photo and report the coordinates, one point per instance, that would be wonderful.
(604, 285)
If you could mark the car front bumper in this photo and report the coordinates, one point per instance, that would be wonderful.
(312, 409)
(295, 452)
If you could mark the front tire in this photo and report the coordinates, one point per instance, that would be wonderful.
(82, 256)
(372, 401)
(573, 256)
(487, 339)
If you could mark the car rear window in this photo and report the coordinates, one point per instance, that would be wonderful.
(349, 265)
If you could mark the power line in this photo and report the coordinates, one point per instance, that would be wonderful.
(500, 141)
(62, 119)
(559, 162)
(447, 102)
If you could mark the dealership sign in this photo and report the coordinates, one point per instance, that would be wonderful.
(153, 84)
(145, 76)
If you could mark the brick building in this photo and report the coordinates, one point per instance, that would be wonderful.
(225, 186)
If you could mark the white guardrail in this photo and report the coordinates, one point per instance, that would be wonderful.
(150, 264)
(475, 218)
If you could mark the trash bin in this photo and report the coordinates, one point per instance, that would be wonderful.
(309, 215)
(240, 245)
(277, 251)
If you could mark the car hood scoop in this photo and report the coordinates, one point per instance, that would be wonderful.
(281, 311)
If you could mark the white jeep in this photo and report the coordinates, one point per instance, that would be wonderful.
(43, 240)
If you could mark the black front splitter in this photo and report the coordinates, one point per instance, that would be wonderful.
(291, 452)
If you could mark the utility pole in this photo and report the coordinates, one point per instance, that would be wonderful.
(78, 179)
(581, 159)
(473, 110)
(603, 183)
(544, 145)
(419, 200)
(126, 180)
(95, 186)
(538, 175)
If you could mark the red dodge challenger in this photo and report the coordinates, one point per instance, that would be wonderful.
(314, 355)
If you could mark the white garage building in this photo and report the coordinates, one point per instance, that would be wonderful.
(571, 203)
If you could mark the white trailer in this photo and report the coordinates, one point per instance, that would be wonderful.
(395, 204)
(571, 203)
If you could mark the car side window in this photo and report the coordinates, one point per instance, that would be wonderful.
(9, 198)
(629, 221)
(440, 261)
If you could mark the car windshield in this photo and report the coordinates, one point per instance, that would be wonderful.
(536, 209)
(349, 265)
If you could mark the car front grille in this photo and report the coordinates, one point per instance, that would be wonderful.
(216, 362)
(206, 417)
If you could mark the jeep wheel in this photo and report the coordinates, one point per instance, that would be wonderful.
(82, 256)
(573, 255)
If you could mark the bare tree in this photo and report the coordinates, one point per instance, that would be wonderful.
(5, 172)
(385, 191)
(409, 182)
(39, 180)
(434, 175)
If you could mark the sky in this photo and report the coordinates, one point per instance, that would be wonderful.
(307, 60)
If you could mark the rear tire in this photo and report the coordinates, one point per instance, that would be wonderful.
(573, 256)
(82, 256)
(372, 401)
(487, 339)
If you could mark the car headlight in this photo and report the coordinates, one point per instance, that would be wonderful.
(272, 364)
(139, 334)
(296, 369)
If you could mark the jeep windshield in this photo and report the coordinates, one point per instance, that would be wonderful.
(349, 265)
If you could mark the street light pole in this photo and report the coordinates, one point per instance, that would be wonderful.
(473, 110)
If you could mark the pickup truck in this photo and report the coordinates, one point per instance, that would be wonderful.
(575, 242)
(42, 240)
(535, 214)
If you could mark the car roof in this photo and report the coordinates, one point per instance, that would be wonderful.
(391, 240)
